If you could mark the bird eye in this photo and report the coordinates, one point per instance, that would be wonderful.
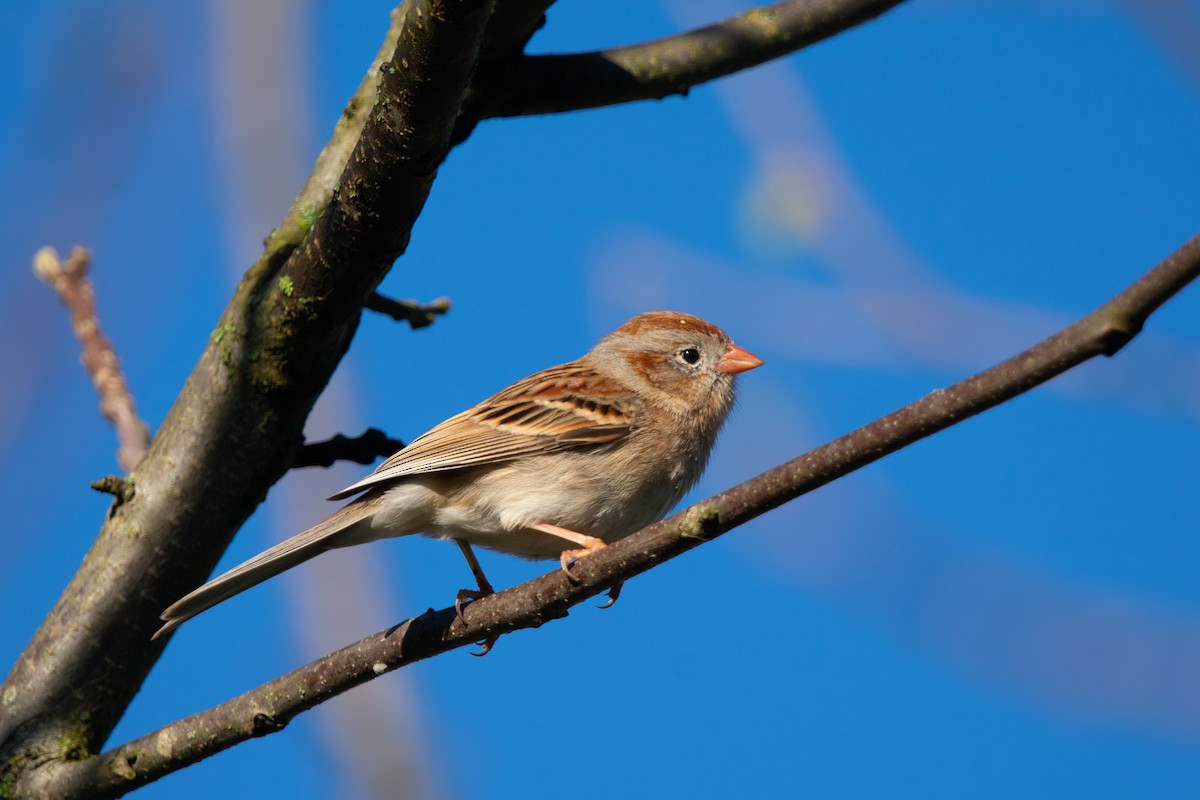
(690, 355)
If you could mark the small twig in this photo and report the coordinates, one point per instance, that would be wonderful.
(69, 280)
(417, 315)
(372, 444)
(122, 490)
(270, 707)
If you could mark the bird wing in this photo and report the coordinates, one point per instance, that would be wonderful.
(560, 408)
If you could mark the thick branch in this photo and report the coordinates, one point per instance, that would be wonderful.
(270, 707)
(368, 220)
(673, 65)
(238, 422)
(510, 26)
(310, 204)
(70, 282)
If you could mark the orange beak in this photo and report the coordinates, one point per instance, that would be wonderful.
(737, 360)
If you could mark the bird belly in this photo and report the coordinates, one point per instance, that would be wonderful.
(495, 509)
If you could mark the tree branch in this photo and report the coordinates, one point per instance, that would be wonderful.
(511, 24)
(270, 707)
(310, 203)
(672, 65)
(71, 284)
(238, 421)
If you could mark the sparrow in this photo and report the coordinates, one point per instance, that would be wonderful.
(553, 467)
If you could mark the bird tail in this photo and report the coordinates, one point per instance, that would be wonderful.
(325, 535)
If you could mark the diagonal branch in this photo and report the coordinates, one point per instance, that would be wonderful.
(271, 706)
(672, 65)
(511, 24)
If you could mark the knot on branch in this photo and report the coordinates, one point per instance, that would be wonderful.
(265, 723)
(122, 490)
(123, 766)
(1119, 330)
(700, 522)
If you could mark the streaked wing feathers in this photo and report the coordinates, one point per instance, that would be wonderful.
(559, 408)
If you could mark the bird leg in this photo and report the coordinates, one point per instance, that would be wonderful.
(587, 544)
(485, 588)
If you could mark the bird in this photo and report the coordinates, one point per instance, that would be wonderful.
(556, 466)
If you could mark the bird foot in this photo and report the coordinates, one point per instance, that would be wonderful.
(466, 596)
(590, 545)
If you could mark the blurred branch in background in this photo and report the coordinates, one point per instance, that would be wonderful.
(70, 282)
(127, 65)
(1175, 26)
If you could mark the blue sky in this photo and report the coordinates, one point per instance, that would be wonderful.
(1007, 609)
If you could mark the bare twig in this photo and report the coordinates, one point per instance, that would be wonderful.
(122, 489)
(370, 445)
(271, 706)
(417, 315)
(69, 280)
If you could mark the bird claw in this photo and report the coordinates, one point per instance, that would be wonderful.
(468, 595)
(613, 594)
(485, 646)
(565, 561)
(568, 557)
